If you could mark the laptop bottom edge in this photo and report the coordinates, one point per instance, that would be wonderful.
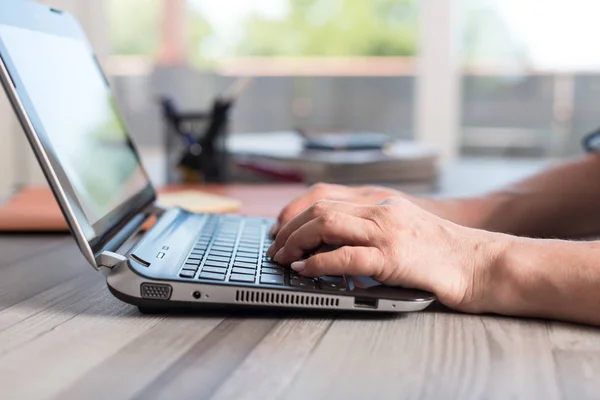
(158, 296)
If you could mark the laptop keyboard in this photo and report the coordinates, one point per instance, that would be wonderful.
(231, 249)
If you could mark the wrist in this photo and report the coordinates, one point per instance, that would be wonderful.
(517, 276)
(484, 285)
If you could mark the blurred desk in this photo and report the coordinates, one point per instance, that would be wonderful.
(62, 335)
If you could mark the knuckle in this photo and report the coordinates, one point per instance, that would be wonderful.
(347, 255)
(319, 208)
(378, 213)
(328, 219)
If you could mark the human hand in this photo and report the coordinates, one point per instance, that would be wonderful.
(395, 242)
(366, 195)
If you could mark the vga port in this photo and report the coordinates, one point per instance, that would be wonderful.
(156, 291)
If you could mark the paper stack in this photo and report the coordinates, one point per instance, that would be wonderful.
(283, 154)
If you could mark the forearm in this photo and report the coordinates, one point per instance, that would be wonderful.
(561, 202)
(545, 278)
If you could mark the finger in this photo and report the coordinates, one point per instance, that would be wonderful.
(317, 192)
(334, 228)
(316, 210)
(347, 260)
(274, 229)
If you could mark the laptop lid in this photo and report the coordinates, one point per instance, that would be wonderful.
(71, 119)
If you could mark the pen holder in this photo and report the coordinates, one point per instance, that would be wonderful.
(195, 143)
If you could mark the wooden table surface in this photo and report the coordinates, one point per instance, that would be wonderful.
(62, 335)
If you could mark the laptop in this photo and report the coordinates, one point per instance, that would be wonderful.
(186, 260)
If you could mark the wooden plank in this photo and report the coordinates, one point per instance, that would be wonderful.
(270, 368)
(15, 248)
(521, 363)
(143, 360)
(430, 355)
(566, 336)
(578, 373)
(61, 302)
(53, 359)
(39, 271)
(208, 364)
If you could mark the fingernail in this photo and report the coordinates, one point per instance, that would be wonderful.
(271, 250)
(279, 254)
(299, 266)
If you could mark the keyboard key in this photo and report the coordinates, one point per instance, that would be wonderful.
(246, 259)
(254, 256)
(241, 278)
(220, 253)
(272, 279)
(250, 243)
(212, 276)
(333, 279)
(244, 271)
(245, 264)
(245, 249)
(301, 282)
(219, 264)
(222, 248)
(230, 235)
(187, 274)
(224, 242)
(272, 271)
(336, 283)
(269, 264)
(216, 270)
(217, 258)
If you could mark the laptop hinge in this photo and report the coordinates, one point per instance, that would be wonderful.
(108, 259)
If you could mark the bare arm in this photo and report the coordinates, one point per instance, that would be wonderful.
(561, 202)
(544, 278)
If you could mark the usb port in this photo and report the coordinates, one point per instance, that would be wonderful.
(365, 302)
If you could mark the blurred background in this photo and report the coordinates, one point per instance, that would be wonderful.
(507, 80)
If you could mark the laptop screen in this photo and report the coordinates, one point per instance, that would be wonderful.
(82, 127)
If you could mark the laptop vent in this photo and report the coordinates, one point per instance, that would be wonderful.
(284, 299)
(156, 291)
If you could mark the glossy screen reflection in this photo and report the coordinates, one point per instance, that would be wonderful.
(78, 115)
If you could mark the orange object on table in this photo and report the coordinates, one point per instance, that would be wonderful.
(36, 210)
